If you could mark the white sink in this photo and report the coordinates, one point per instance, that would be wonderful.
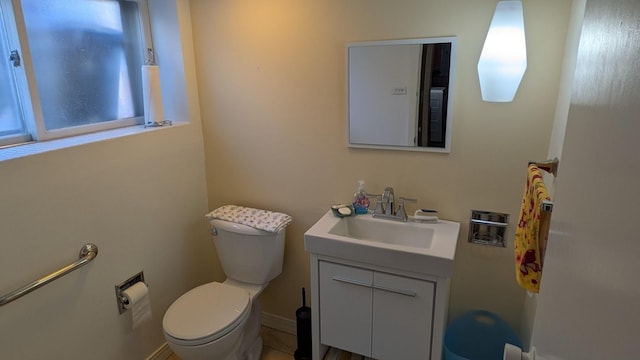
(424, 248)
(384, 231)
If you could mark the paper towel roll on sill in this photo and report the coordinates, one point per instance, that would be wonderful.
(152, 95)
(137, 300)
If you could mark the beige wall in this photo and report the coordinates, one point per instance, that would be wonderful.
(140, 198)
(271, 79)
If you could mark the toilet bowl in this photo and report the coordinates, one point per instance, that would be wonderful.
(222, 320)
(208, 322)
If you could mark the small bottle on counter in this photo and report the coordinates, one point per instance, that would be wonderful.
(360, 199)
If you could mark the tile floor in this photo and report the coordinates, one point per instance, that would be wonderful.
(277, 345)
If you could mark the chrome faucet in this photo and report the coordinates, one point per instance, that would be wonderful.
(385, 208)
(388, 201)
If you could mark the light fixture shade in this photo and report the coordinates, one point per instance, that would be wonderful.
(504, 55)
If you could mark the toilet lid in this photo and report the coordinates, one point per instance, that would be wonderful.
(206, 313)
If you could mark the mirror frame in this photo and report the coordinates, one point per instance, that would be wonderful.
(449, 119)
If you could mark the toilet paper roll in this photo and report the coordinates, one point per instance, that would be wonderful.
(152, 95)
(137, 300)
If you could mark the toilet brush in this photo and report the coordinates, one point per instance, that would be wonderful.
(303, 326)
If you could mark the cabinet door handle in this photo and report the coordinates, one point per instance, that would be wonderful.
(377, 287)
(351, 281)
(396, 291)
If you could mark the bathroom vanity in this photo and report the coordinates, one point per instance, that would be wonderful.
(380, 288)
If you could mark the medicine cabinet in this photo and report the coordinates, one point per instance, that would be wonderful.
(400, 94)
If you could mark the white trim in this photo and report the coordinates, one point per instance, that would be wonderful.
(279, 323)
(162, 353)
(10, 140)
(46, 135)
(33, 148)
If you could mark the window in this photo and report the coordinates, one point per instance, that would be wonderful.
(79, 73)
(12, 127)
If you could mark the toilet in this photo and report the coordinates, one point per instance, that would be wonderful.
(222, 320)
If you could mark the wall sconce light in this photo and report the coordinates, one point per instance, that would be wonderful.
(503, 60)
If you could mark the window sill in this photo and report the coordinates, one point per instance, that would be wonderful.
(38, 147)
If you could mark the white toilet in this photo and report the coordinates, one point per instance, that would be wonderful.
(222, 320)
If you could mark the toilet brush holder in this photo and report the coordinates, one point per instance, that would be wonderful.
(303, 327)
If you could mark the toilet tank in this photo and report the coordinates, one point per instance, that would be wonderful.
(247, 254)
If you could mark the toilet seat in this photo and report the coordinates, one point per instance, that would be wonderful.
(206, 313)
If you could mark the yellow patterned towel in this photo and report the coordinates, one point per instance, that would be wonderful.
(532, 232)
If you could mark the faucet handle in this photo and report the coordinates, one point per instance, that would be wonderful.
(401, 212)
(401, 200)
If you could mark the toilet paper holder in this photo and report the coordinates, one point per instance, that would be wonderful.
(122, 300)
(488, 228)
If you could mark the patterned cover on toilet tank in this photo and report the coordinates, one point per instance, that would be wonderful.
(260, 219)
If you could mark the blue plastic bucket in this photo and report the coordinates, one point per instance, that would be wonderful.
(478, 335)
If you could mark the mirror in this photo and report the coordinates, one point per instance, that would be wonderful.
(399, 94)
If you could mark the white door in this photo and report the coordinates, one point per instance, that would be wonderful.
(402, 317)
(589, 301)
(345, 307)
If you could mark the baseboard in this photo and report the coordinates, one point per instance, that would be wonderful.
(279, 323)
(162, 353)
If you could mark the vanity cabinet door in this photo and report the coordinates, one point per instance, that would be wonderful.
(402, 317)
(345, 307)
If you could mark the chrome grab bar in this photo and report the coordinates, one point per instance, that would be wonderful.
(87, 253)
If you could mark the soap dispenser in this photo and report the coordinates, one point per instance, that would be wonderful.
(360, 199)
